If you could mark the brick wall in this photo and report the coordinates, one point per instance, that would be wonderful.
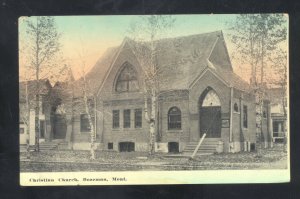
(121, 134)
(223, 92)
(177, 99)
(187, 101)
(240, 133)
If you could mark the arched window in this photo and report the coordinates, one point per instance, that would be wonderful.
(174, 118)
(211, 99)
(127, 80)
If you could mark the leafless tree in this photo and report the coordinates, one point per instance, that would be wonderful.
(41, 50)
(89, 106)
(280, 78)
(256, 36)
(145, 34)
(24, 115)
(87, 100)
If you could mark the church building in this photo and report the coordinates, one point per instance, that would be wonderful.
(203, 95)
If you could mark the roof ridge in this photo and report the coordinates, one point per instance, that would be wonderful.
(179, 37)
(193, 35)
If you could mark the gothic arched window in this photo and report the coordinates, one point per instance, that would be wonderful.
(174, 118)
(127, 80)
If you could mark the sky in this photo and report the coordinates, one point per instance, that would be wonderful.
(90, 36)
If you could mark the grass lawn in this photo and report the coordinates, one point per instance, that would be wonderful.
(274, 158)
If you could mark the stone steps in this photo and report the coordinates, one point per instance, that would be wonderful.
(45, 146)
(207, 147)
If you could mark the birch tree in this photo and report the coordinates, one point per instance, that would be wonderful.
(89, 106)
(256, 36)
(24, 115)
(279, 66)
(280, 79)
(42, 47)
(87, 100)
(145, 33)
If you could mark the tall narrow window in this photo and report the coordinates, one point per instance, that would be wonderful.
(138, 118)
(84, 123)
(126, 118)
(245, 116)
(174, 118)
(116, 119)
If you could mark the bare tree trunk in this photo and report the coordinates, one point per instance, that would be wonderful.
(37, 115)
(27, 121)
(261, 101)
(37, 100)
(151, 119)
(253, 67)
(152, 122)
(92, 132)
(87, 110)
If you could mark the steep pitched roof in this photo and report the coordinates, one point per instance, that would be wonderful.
(189, 56)
(185, 57)
(233, 80)
(95, 77)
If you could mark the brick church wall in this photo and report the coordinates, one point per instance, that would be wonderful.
(223, 92)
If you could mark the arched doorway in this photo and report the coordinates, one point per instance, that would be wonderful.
(210, 114)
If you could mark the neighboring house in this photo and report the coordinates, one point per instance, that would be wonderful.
(203, 95)
(278, 113)
(27, 91)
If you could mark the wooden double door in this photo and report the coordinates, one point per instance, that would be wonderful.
(210, 121)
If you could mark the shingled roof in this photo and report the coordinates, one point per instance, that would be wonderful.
(188, 55)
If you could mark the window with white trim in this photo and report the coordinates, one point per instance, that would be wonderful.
(174, 118)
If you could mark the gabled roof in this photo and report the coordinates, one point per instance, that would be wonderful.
(95, 77)
(185, 57)
(233, 80)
